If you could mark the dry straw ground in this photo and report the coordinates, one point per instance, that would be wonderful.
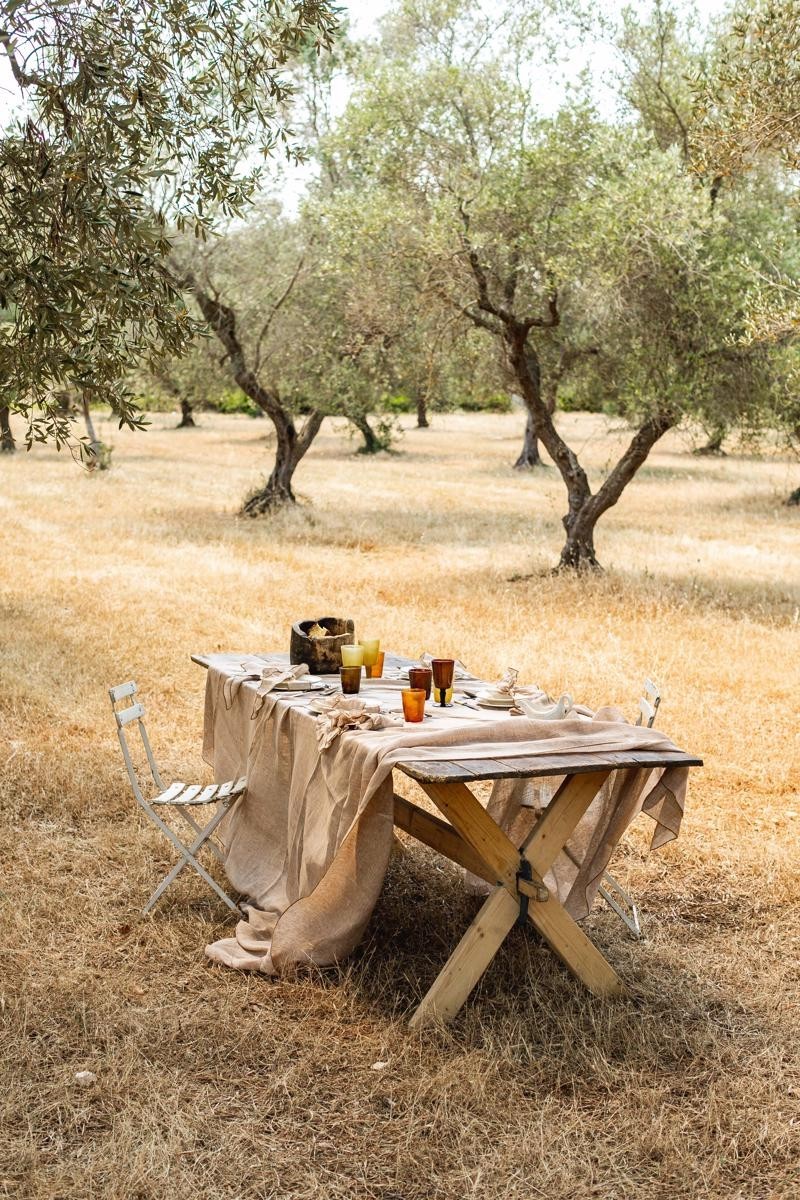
(212, 1084)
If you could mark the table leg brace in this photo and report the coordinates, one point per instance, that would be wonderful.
(499, 913)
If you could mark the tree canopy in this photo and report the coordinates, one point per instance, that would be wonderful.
(135, 119)
(584, 250)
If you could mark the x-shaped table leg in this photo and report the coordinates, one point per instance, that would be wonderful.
(490, 928)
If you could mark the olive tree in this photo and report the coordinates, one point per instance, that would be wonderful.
(746, 124)
(135, 117)
(299, 335)
(564, 240)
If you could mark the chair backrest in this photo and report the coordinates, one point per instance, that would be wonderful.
(133, 711)
(648, 704)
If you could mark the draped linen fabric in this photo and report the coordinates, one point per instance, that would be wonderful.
(309, 842)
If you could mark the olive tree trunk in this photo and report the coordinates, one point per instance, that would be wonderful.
(7, 443)
(290, 447)
(187, 420)
(95, 457)
(372, 443)
(291, 443)
(713, 447)
(584, 508)
(529, 455)
(422, 411)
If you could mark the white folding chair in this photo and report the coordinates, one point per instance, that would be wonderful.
(648, 704)
(611, 890)
(222, 796)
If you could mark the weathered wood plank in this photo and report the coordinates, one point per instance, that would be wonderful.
(543, 845)
(467, 770)
(575, 949)
(468, 816)
(435, 832)
(469, 960)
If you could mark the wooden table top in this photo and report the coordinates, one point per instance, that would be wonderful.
(455, 770)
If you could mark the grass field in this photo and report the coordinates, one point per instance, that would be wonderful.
(212, 1084)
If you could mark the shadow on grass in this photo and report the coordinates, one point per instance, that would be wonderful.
(528, 1006)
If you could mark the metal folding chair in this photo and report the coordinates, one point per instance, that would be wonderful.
(611, 890)
(648, 704)
(221, 796)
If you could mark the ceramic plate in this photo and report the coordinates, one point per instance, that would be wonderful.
(489, 702)
(308, 683)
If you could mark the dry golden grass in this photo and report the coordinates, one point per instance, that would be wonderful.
(217, 1085)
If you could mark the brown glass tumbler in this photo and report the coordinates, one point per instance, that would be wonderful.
(351, 680)
(421, 677)
(413, 704)
(376, 670)
(443, 671)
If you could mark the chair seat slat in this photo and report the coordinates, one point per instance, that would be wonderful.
(172, 791)
(121, 691)
(207, 794)
(188, 795)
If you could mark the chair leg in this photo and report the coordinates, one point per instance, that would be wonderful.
(213, 847)
(188, 856)
(629, 913)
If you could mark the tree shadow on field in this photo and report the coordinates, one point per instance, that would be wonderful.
(530, 1008)
(383, 527)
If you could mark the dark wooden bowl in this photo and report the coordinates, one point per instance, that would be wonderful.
(322, 656)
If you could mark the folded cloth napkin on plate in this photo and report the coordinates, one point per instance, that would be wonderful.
(269, 677)
(508, 684)
(533, 701)
(338, 713)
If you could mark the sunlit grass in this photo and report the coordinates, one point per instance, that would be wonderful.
(213, 1084)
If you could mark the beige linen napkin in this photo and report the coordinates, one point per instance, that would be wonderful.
(338, 713)
(269, 677)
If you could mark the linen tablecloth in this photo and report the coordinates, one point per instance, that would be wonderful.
(308, 844)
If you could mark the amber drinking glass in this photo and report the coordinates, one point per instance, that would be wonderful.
(443, 671)
(351, 680)
(413, 703)
(376, 670)
(421, 677)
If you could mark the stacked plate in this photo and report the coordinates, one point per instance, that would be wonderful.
(493, 699)
(307, 683)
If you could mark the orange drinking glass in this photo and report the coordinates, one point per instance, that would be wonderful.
(421, 677)
(376, 670)
(413, 703)
(351, 680)
(443, 671)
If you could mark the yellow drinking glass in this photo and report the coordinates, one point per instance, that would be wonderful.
(352, 656)
(370, 647)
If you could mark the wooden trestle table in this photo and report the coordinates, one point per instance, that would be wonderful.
(470, 837)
